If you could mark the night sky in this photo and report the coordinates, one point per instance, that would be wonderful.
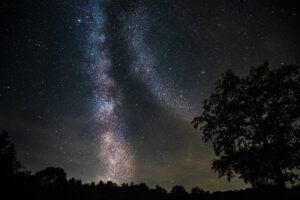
(106, 89)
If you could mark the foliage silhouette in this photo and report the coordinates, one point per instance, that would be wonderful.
(253, 123)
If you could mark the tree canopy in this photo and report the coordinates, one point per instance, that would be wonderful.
(253, 124)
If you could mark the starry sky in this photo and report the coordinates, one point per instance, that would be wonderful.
(107, 89)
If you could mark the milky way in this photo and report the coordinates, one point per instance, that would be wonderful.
(105, 89)
(144, 67)
(115, 153)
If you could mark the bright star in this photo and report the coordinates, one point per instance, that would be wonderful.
(79, 20)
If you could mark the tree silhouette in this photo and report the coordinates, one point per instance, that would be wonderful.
(8, 160)
(197, 193)
(51, 175)
(160, 190)
(253, 123)
(178, 192)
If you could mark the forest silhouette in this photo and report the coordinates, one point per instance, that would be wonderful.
(252, 121)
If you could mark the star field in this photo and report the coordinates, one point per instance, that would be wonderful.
(106, 89)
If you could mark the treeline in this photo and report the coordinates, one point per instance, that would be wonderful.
(52, 183)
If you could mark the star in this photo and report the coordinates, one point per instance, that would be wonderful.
(79, 20)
